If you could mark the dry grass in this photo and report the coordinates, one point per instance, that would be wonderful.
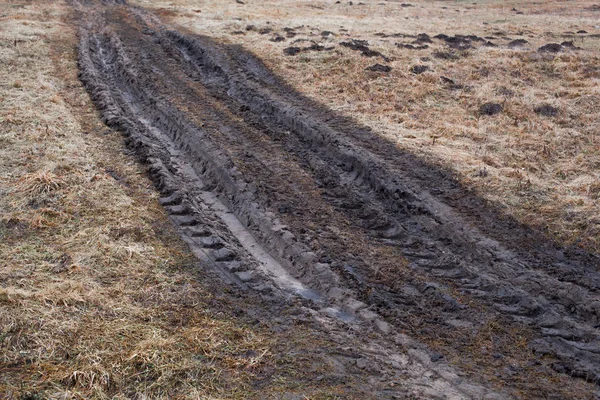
(98, 297)
(543, 170)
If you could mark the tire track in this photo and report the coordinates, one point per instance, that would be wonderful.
(148, 85)
(567, 313)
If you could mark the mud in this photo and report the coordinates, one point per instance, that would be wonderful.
(419, 69)
(550, 48)
(460, 42)
(293, 50)
(546, 110)
(423, 38)
(412, 47)
(570, 45)
(363, 47)
(446, 55)
(379, 68)
(517, 43)
(282, 197)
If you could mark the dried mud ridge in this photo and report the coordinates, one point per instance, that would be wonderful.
(279, 196)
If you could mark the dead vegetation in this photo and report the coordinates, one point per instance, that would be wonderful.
(537, 146)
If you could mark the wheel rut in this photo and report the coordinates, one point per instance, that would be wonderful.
(281, 196)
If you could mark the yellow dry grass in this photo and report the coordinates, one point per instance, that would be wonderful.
(542, 170)
(98, 297)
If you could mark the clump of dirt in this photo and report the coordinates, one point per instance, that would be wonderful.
(289, 32)
(418, 69)
(517, 43)
(550, 48)
(451, 83)
(546, 110)
(363, 47)
(395, 35)
(445, 55)
(506, 92)
(379, 68)
(318, 47)
(490, 109)
(277, 38)
(570, 45)
(423, 38)
(293, 50)
(460, 42)
(411, 47)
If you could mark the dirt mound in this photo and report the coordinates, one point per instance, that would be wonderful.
(418, 69)
(446, 55)
(363, 47)
(490, 109)
(550, 48)
(411, 47)
(546, 110)
(423, 38)
(460, 42)
(293, 50)
(517, 43)
(379, 68)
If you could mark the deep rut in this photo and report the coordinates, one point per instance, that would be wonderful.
(283, 197)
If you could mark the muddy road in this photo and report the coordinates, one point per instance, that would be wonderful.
(284, 198)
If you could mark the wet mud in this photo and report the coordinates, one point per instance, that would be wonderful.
(282, 197)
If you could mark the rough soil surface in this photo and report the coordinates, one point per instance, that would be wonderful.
(282, 197)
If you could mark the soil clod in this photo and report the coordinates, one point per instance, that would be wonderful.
(363, 47)
(418, 69)
(490, 109)
(292, 51)
(550, 48)
(379, 68)
(546, 110)
(517, 43)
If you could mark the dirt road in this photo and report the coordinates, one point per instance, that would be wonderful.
(283, 197)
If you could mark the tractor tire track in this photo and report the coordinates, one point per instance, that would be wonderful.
(253, 174)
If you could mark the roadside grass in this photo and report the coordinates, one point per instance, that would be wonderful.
(541, 169)
(98, 296)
